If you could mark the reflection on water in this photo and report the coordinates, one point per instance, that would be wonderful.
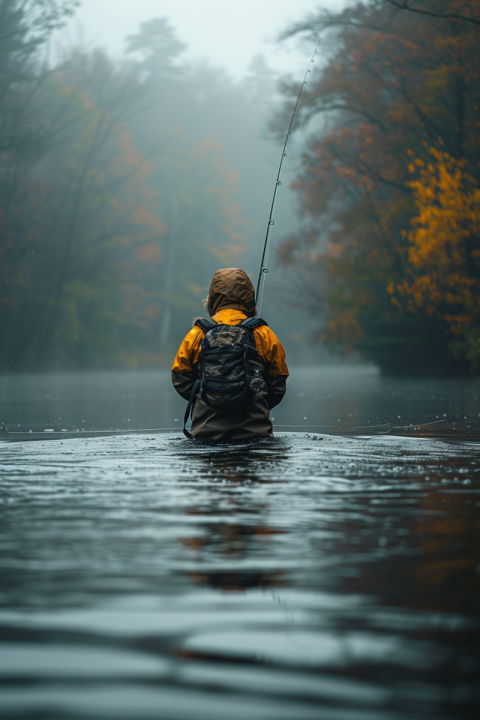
(230, 537)
(315, 396)
(301, 577)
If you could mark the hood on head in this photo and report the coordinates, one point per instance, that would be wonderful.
(231, 288)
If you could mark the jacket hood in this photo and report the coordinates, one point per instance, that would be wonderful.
(231, 288)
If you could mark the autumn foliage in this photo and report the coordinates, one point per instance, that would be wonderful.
(388, 191)
(442, 276)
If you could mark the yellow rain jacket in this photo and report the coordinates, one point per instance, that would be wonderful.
(232, 299)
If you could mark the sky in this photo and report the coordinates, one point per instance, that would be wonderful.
(229, 33)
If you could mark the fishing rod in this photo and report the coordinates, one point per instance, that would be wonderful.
(263, 264)
(435, 429)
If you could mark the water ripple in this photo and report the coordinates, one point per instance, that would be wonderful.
(302, 577)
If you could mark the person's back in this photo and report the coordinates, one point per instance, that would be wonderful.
(231, 302)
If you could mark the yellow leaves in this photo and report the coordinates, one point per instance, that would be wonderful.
(443, 272)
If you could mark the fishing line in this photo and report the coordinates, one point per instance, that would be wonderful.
(264, 261)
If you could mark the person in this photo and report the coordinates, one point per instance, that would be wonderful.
(230, 302)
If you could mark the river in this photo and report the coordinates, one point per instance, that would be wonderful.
(308, 576)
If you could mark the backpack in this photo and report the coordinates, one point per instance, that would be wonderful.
(226, 376)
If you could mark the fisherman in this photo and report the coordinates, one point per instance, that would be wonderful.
(232, 371)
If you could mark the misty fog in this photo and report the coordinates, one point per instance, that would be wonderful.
(131, 179)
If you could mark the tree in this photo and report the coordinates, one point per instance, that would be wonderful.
(157, 47)
(27, 129)
(63, 304)
(392, 84)
(120, 195)
(428, 9)
(442, 277)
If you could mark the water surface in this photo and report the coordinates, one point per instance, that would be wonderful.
(340, 396)
(308, 576)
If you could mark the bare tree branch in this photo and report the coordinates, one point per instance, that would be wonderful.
(405, 5)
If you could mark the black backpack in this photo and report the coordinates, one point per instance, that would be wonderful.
(226, 378)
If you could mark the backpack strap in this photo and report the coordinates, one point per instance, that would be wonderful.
(249, 323)
(189, 409)
(253, 323)
(204, 325)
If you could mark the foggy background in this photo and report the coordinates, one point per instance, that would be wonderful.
(227, 34)
(155, 165)
(139, 146)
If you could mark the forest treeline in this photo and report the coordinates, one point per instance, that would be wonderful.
(124, 184)
(118, 200)
(388, 246)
